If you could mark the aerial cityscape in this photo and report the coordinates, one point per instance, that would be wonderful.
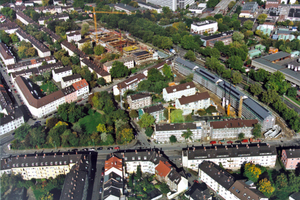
(150, 99)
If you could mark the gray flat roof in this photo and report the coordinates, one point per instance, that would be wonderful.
(185, 63)
(291, 73)
(269, 64)
(276, 56)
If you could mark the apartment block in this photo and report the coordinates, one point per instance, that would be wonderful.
(139, 100)
(290, 158)
(193, 102)
(129, 84)
(207, 26)
(175, 92)
(6, 55)
(60, 73)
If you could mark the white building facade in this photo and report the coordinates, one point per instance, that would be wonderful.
(175, 92)
(193, 102)
(172, 4)
(206, 26)
(60, 73)
(11, 122)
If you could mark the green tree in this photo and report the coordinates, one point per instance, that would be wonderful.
(231, 4)
(173, 139)
(236, 78)
(164, 188)
(256, 89)
(22, 131)
(133, 114)
(248, 24)
(101, 81)
(119, 70)
(110, 139)
(146, 120)
(187, 134)
(45, 2)
(256, 132)
(292, 92)
(138, 172)
(149, 131)
(99, 50)
(84, 28)
(167, 71)
(176, 116)
(235, 62)
(262, 18)
(51, 122)
(261, 75)
(190, 55)
(269, 96)
(125, 135)
(14, 38)
(75, 60)
(241, 136)
(252, 172)
(65, 60)
(237, 36)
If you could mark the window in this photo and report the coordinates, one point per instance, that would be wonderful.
(133, 158)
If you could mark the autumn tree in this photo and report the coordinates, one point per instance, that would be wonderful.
(176, 116)
(231, 4)
(266, 187)
(101, 128)
(125, 135)
(133, 114)
(45, 2)
(252, 172)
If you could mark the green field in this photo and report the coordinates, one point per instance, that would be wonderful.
(49, 87)
(90, 122)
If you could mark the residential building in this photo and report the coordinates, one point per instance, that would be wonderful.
(290, 158)
(93, 67)
(198, 192)
(53, 35)
(73, 36)
(59, 73)
(6, 55)
(225, 37)
(197, 9)
(204, 27)
(70, 94)
(6, 104)
(72, 50)
(123, 7)
(242, 190)
(163, 132)
(149, 6)
(232, 128)
(159, 67)
(227, 92)
(33, 63)
(24, 18)
(81, 87)
(156, 111)
(230, 156)
(175, 92)
(9, 27)
(42, 50)
(295, 196)
(272, 3)
(172, 4)
(113, 164)
(129, 84)
(127, 61)
(193, 102)
(249, 10)
(84, 41)
(11, 121)
(69, 80)
(63, 16)
(139, 100)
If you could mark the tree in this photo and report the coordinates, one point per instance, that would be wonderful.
(75, 60)
(65, 60)
(269, 96)
(138, 172)
(45, 2)
(14, 38)
(99, 50)
(236, 78)
(241, 136)
(292, 92)
(173, 139)
(167, 71)
(133, 114)
(266, 187)
(119, 70)
(256, 89)
(101, 81)
(103, 136)
(231, 4)
(51, 122)
(262, 18)
(235, 62)
(261, 75)
(252, 172)
(125, 135)
(187, 134)
(77, 128)
(101, 128)
(149, 131)
(212, 3)
(22, 131)
(146, 120)
(84, 28)
(248, 24)
(48, 195)
(154, 75)
(190, 55)
(237, 36)
(176, 116)
(256, 132)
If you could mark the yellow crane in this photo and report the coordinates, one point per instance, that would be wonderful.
(105, 12)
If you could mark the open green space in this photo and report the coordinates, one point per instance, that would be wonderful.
(90, 122)
(49, 87)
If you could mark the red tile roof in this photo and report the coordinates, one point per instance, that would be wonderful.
(163, 168)
(80, 84)
(113, 162)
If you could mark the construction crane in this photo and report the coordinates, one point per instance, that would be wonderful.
(103, 12)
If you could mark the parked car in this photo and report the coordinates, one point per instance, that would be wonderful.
(117, 147)
(189, 175)
(85, 149)
(100, 190)
(99, 148)
(74, 149)
(102, 173)
(196, 181)
(101, 180)
(110, 148)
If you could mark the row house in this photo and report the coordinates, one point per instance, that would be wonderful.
(163, 132)
(6, 104)
(93, 67)
(230, 156)
(69, 80)
(6, 55)
(48, 9)
(232, 128)
(53, 35)
(60, 73)
(24, 18)
(129, 84)
(290, 158)
(73, 36)
(34, 63)
(42, 50)
(156, 111)
(9, 27)
(175, 92)
(198, 191)
(40, 105)
(225, 185)
(139, 100)
(72, 50)
(193, 102)
(63, 16)
(11, 121)
(127, 61)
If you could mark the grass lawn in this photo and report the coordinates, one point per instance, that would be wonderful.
(90, 122)
(295, 100)
(49, 87)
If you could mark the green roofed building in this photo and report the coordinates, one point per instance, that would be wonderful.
(254, 53)
(266, 31)
(260, 47)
